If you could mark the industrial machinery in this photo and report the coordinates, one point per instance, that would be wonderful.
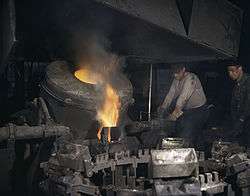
(74, 103)
(76, 136)
(79, 169)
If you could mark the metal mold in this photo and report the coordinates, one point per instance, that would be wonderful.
(174, 163)
(171, 143)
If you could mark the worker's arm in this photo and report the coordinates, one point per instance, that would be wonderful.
(170, 96)
(187, 91)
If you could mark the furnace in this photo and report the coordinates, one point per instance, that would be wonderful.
(82, 105)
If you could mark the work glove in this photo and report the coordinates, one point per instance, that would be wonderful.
(175, 114)
(172, 117)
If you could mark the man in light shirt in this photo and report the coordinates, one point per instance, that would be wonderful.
(188, 98)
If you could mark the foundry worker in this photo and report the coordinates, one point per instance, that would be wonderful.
(240, 102)
(185, 103)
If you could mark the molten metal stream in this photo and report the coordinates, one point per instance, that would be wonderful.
(99, 134)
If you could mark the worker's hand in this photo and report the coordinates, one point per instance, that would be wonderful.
(172, 117)
(177, 112)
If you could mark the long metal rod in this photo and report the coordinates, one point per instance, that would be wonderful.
(150, 92)
(31, 132)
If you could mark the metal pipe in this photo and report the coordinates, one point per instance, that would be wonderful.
(31, 132)
(150, 92)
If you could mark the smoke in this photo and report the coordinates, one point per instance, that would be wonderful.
(93, 52)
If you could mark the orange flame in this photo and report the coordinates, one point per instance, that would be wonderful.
(99, 132)
(108, 114)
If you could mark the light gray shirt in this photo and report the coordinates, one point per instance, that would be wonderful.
(188, 92)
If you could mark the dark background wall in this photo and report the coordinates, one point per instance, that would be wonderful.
(244, 56)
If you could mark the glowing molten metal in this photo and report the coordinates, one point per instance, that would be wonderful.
(108, 113)
(84, 75)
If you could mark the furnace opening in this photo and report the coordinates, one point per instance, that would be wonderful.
(87, 76)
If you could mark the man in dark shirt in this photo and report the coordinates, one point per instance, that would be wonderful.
(240, 103)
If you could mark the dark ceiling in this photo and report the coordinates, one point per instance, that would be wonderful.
(245, 32)
(243, 4)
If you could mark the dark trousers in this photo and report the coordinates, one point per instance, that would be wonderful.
(244, 135)
(190, 124)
